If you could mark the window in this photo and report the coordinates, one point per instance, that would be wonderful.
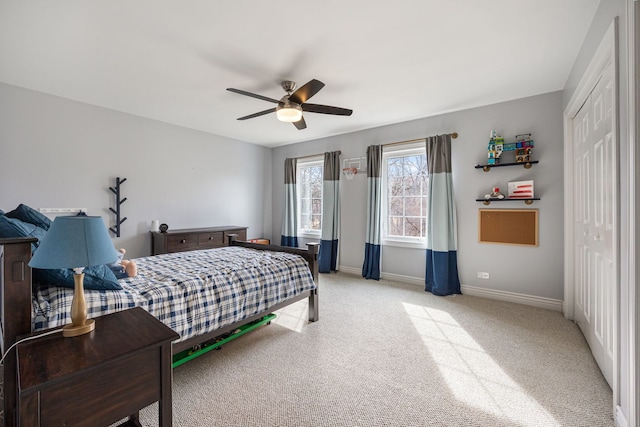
(405, 189)
(310, 175)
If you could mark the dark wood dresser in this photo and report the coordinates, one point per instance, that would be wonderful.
(191, 239)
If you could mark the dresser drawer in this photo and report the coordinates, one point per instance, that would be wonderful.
(182, 242)
(210, 240)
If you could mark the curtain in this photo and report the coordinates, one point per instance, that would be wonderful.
(290, 217)
(328, 257)
(442, 236)
(371, 266)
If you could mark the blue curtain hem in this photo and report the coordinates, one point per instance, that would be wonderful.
(441, 277)
(328, 256)
(371, 266)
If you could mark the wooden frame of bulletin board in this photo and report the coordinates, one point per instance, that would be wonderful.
(508, 226)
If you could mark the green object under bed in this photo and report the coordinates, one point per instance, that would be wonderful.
(192, 353)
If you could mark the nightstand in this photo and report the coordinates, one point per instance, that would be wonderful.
(98, 378)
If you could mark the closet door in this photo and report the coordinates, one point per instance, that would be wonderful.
(594, 222)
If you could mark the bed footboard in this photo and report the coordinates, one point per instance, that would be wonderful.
(310, 255)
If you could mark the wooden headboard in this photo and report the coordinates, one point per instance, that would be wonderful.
(15, 317)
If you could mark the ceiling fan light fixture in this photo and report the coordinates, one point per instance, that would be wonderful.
(289, 113)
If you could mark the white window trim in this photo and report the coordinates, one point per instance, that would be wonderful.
(398, 241)
(310, 161)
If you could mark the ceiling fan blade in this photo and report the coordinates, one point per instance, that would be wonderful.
(305, 92)
(326, 109)
(261, 113)
(253, 95)
(300, 124)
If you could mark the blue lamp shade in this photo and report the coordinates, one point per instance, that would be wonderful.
(74, 242)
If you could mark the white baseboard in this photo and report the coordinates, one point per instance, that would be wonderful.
(621, 419)
(350, 270)
(531, 300)
(403, 279)
(386, 276)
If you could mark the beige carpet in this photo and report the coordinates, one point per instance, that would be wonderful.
(389, 354)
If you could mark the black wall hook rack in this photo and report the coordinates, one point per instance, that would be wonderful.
(119, 201)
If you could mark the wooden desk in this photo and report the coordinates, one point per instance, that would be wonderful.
(98, 378)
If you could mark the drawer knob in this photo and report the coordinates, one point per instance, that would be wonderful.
(183, 241)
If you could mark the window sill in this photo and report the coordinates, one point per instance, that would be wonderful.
(308, 235)
(404, 244)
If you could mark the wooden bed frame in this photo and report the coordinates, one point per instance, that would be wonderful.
(15, 306)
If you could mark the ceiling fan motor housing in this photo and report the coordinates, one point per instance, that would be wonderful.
(288, 86)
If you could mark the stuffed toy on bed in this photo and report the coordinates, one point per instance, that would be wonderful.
(123, 268)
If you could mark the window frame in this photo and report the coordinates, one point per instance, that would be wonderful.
(393, 152)
(308, 162)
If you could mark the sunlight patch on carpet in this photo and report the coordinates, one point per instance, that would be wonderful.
(293, 316)
(471, 374)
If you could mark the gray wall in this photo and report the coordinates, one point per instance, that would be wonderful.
(534, 271)
(608, 10)
(59, 153)
(68, 153)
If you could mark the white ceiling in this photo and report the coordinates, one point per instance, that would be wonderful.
(389, 61)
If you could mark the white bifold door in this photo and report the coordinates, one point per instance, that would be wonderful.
(595, 221)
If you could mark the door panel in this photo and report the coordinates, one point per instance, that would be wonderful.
(595, 222)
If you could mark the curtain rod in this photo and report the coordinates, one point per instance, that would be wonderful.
(314, 155)
(454, 135)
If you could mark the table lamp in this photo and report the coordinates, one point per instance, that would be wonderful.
(75, 242)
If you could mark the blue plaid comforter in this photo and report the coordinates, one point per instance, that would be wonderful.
(191, 292)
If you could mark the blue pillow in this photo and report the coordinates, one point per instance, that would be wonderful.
(12, 227)
(30, 215)
(98, 277)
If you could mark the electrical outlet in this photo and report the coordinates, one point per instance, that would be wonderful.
(483, 275)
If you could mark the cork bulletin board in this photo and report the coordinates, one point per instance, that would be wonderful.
(508, 226)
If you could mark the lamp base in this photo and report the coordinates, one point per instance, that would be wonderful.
(72, 330)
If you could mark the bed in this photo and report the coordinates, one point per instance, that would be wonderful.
(250, 281)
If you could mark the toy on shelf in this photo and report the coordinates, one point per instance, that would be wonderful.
(523, 147)
(495, 147)
(518, 190)
(495, 194)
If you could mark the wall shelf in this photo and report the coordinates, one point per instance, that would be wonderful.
(526, 165)
(506, 199)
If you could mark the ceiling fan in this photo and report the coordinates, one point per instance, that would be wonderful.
(291, 106)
